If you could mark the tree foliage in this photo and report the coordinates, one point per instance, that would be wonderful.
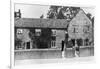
(89, 15)
(60, 12)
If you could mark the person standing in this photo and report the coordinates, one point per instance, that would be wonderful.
(62, 43)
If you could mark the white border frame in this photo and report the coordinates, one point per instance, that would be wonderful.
(12, 35)
(37, 3)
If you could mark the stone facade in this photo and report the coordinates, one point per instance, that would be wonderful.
(79, 27)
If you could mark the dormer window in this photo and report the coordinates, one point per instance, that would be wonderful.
(19, 31)
(37, 32)
(53, 32)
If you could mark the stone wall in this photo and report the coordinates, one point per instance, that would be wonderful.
(86, 51)
(38, 54)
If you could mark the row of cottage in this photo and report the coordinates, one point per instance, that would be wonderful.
(49, 33)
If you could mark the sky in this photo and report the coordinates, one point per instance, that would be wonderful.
(35, 11)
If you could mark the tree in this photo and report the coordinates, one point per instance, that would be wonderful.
(93, 21)
(60, 12)
(42, 16)
(53, 12)
(89, 16)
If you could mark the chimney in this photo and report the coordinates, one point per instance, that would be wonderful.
(17, 14)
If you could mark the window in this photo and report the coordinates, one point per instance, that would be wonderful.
(75, 30)
(79, 42)
(18, 44)
(53, 41)
(19, 31)
(37, 32)
(53, 38)
(73, 41)
(86, 29)
(28, 45)
(70, 44)
(86, 42)
(53, 44)
(53, 32)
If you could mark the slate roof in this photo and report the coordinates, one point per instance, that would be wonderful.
(46, 23)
